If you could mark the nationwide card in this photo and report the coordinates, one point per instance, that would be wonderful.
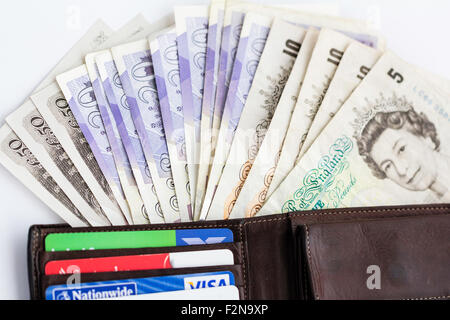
(132, 287)
(186, 259)
(218, 293)
(135, 239)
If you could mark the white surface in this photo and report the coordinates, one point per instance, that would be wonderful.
(36, 34)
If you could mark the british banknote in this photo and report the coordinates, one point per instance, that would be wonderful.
(254, 191)
(235, 11)
(324, 61)
(121, 112)
(34, 132)
(56, 111)
(94, 38)
(251, 45)
(135, 67)
(123, 167)
(79, 94)
(20, 162)
(167, 75)
(275, 65)
(216, 16)
(137, 28)
(356, 62)
(192, 31)
(385, 146)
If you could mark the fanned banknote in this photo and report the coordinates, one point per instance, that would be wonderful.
(386, 145)
(251, 45)
(95, 37)
(324, 61)
(56, 111)
(121, 112)
(356, 62)
(135, 67)
(215, 28)
(232, 27)
(123, 167)
(167, 75)
(192, 32)
(79, 94)
(253, 120)
(34, 132)
(254, 192)
(235, 11)
(18, 159)
(135, 29)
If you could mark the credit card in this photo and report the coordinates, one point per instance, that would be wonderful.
(135, 239)
(219, 293)
(171, 260)
(131, 287)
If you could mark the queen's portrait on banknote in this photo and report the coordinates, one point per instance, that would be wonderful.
(402, 145)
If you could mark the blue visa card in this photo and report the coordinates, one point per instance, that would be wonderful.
(130, 287)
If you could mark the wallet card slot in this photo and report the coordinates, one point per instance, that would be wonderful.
(47, 281)
(46, 256)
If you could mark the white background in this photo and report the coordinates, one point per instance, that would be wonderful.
(36, 34)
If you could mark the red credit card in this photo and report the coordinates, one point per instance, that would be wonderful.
(109, 264)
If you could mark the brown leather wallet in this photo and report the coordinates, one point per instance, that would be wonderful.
(355, 253)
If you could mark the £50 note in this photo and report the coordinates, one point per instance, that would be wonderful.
(135, 67)
(167, 75)
(383, 147)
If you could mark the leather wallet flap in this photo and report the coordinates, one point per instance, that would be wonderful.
(400, 258)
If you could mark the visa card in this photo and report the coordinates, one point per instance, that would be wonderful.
(186, 259)
(135, 239)
(131, 287)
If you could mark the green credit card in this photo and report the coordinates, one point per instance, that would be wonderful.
(135, 239)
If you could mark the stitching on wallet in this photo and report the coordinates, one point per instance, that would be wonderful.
(244, 262)
(35, 284)
(308, 249)
(360, 211)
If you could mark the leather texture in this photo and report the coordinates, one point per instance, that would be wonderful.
(305, 255)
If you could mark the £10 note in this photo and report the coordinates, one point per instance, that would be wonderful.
(253, 194)
(356, 62)
(324, 61)
(383, 147)
(271, 76)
